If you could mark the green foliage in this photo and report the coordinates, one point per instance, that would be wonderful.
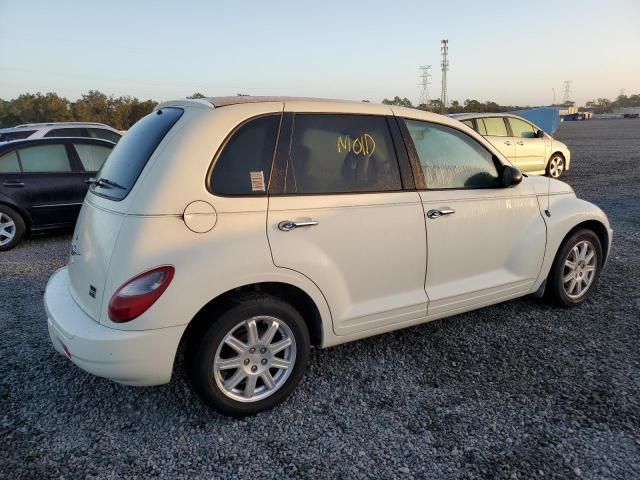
(400, 102)
(94, 106)
(604, 105)
(197, 95)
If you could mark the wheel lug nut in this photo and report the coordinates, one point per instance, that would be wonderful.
(263, 350)
(246, 361)
(252, 350)
(264, 361)
(254, 368)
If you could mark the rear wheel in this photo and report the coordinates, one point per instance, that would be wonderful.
(12, 228)
(252, 357)
(556, 166)
(575, 270)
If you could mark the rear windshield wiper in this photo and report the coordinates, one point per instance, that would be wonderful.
(105, 183)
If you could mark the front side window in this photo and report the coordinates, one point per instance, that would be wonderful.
(495, 127)
(67, 132)
(451, 159)
(244, 165)
(521, 128)
(92, 157)
(9, 163)
(133, 151)
(340, 154)
(44, 158)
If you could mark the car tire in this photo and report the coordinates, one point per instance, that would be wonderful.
(575, 270)
(556, 166)
(242, 366)
(12, 228)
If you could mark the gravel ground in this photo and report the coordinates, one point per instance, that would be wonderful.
(518, 390)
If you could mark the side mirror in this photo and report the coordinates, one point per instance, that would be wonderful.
(539, 134)
(511, 176)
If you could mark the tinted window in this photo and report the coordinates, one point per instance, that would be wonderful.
(9, 163)
(495, 127)
(244, 165)
(44, 158)
(16, 135)
(341, 153)
(92, 157)
(104, 134)
(132, 152)
(451, 159)
(468, 123)
(482, 129)
(67, 132)
(521, 128)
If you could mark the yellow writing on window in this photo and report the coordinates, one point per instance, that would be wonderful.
(363, 145)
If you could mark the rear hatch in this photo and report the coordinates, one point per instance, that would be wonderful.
(107, 203)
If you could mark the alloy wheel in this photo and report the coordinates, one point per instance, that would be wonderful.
(579, 269)
(556, 166)
(254, 359)
(7, 229)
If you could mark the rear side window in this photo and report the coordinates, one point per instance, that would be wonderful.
(468, 123)
(9, 163)
(244, 165)
(92, 157)
(67, 132)
(341, 154)
(44, 158)
(482, 129)
(451, 159)
(104, 134)
(17, 135)
(496, 127)
(133, 151)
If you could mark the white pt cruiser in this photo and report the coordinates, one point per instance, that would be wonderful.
(251, 228)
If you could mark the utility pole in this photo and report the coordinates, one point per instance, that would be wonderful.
(566, 97)
(425, 76)
(445, 67)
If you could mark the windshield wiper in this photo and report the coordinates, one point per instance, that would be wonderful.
(105, 183)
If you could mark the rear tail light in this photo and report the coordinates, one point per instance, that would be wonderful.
(136, 296)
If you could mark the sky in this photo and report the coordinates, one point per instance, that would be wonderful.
(510, 52)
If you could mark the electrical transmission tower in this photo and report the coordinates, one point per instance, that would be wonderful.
(566, 97)
(445, 67)
(425, 77)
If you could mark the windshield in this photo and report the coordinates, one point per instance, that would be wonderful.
(122, 169)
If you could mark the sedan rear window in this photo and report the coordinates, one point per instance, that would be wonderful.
(128, 158)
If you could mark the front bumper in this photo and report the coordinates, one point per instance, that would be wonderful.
(139, 358)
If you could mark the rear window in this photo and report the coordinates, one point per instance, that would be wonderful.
(16, 135)
(133, 151)
(67, 132)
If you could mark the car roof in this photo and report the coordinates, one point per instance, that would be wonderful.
(25, 142)
(309, 104)
(467, 116)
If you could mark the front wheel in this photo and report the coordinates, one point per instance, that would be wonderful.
(252, 357)
(556, 166)
(575, 269)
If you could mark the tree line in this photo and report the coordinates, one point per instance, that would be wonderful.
(119, 112)
(601, 105)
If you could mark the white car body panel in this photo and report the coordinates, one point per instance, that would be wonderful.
(372, 264)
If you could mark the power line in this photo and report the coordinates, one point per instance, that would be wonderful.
(566, 96)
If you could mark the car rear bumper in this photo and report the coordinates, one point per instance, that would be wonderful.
(139, 358)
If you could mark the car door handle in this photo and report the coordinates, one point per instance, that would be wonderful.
(440, 213)
(520, 142)
(13, 184)
(288, 225)
(508, 143)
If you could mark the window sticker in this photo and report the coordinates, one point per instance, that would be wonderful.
(364, 145)
(257, 181)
